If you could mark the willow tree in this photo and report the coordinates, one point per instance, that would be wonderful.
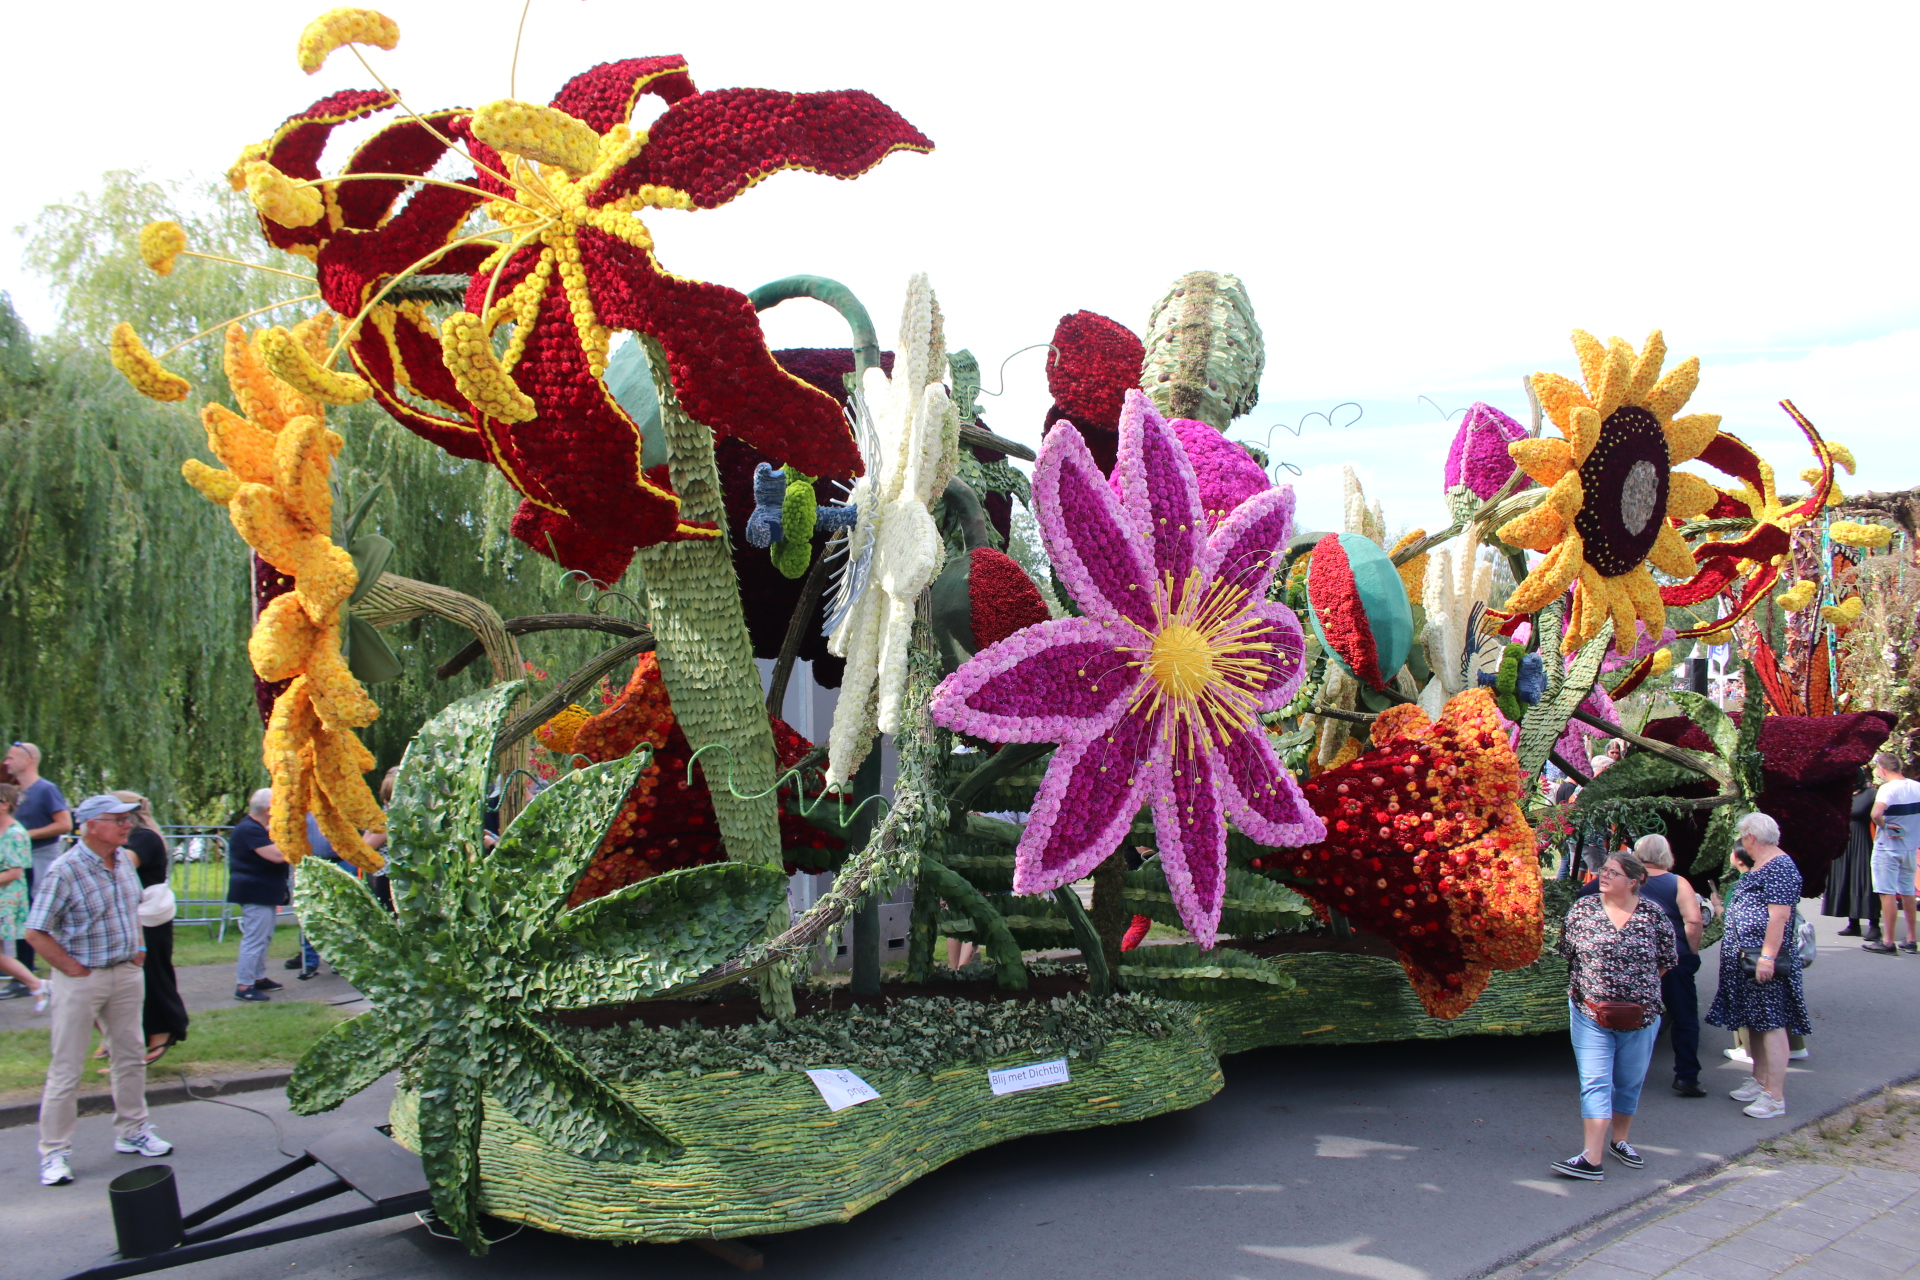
(124, 607)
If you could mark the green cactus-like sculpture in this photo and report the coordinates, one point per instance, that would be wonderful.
(1204, 350)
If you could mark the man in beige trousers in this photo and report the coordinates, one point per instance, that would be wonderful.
(85, 922)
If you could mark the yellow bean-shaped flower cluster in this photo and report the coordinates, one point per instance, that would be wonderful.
(1662, 661)
(140, 367)
(278, 460)
(546, 135)
(477, 372)
(160, 244)
(1858, 533)
(1797, 597)
(294, 364)
(1844, 614)
(280, 198)
(336, 27)
(557, 734)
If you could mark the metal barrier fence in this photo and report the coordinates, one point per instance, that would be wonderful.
(199, 877)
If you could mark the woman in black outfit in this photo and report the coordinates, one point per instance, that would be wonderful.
(1850, 884)
(165, 1014)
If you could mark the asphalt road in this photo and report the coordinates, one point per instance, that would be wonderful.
(1396, 1162)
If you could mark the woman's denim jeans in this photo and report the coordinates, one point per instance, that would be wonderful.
(1613, 1064)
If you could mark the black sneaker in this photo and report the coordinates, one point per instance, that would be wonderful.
(1577, 1167)
(305, 974)
(248, 993)
(1880, 948)
(293, 963)
(1689, 1089)
(268, 984)
(1626, 1155)
(1907, 947)
(1851, 931)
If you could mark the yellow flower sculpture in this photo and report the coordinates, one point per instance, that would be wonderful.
(1611, 487)
(278, 457)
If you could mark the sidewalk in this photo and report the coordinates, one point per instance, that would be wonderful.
(1837, 1198)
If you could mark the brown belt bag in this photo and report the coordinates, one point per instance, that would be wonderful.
(1618, 1015)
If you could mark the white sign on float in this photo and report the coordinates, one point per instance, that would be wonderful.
(841, 1089)
(1037, 1076)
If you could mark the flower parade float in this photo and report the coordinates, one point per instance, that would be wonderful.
(1311, 758)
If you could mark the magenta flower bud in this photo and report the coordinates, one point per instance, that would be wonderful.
(1478, 458)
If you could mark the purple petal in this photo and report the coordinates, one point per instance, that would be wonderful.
(1192, 831)
(1056, 681)
(1284, 662)
(1086, 804)
(1262, 798)
(1161, 492)
(1092, 540)
(1247, 548)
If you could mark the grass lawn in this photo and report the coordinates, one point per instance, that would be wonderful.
(240, 1039)
(194, 943)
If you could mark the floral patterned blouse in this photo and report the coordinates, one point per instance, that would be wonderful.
(16, 853)
(1605, 963)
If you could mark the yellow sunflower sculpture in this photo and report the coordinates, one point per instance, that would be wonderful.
(1611, 486)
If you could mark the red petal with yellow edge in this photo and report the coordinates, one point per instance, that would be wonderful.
(405, 146)
(352, 263)
(1715, 576)
(1728, 453)
(722, 371)
(715, 145)
(1764, 543)
(295, 147)
(422, 362)
(1636, 676)
(1750, 597)
(580, 454)
(603, 96)
(373, 360)
(570, 544)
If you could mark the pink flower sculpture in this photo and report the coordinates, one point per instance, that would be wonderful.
(1154, 695)
(1478, 457)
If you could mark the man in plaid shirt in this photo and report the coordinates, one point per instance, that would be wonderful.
(85, 922)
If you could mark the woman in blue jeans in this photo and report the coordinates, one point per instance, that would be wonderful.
(1617, 946)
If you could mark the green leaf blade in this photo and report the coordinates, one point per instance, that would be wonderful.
(351, 1056)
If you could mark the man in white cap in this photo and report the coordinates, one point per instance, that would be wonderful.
(85, 922)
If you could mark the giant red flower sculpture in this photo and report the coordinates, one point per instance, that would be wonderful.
(1427, 847)
(1155, 693)
(569, 264)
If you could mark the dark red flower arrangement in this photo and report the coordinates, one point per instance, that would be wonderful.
(1093, 364)
(1809, 768)
(576, 459)
(668, 822)
(1427, 847)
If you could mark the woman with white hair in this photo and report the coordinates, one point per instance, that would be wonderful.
(1681, 905)
(1760, 965)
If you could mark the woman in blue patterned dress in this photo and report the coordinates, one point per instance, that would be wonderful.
(1763, 914)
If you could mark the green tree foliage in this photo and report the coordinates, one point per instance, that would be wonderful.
(124, 604)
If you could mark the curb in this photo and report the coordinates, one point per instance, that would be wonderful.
(185, 1090)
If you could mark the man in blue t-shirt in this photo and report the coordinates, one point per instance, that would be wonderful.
(1896, 817)
(256, 879)
(43, 812)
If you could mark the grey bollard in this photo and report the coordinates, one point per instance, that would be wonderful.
(146, 1211)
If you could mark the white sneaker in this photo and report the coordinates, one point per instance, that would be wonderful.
(1748, 1091)
(1739, 1055)
(144, 1142)
(54, 1170)
(1766, 1107)
(1796, 1054)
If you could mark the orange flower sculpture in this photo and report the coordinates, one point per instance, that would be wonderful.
(1426, 846)
(277, 460)
(667, 821)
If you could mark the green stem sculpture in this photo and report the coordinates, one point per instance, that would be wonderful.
(706, 660)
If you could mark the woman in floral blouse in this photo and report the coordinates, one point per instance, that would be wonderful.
(16, 855)
(1616, 947)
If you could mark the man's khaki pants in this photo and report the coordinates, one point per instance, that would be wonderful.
(114, 998)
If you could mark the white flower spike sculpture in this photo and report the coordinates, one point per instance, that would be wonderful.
(919, 437)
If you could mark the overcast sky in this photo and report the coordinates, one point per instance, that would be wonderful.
(1422, 199)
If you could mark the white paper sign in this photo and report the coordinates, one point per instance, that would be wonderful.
(841, 1089)
(1037, 1076)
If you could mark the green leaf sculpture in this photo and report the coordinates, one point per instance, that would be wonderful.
(482, 944)
(1185, 972)
(1251, 907)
